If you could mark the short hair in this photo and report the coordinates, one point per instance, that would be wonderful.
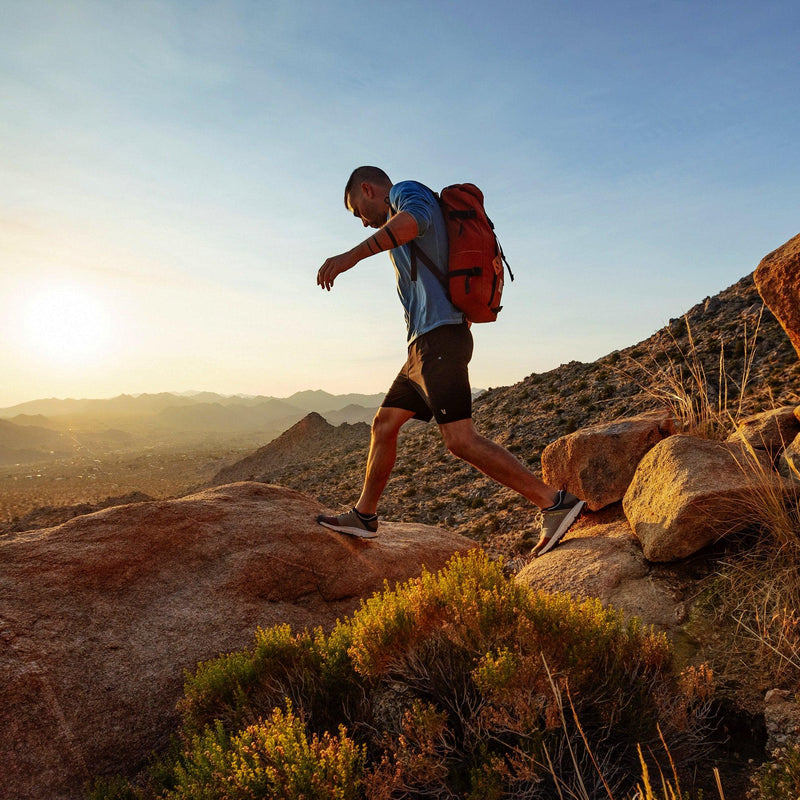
(368, 174)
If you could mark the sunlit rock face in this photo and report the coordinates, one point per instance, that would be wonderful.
(100, 616)
(771, 431)
(777, 278)
(603, 559)
(597, 463)
(688, 492)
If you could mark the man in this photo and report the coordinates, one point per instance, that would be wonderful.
(434, 381)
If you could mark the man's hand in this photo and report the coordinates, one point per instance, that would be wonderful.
(333, 267)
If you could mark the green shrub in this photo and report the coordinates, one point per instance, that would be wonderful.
(496, 658)
(271, 759)
(309, 669)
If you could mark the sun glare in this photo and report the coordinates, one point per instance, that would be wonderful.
(66, 324)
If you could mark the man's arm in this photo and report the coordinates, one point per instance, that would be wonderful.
(400, 229)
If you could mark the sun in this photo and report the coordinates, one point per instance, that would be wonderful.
(66, 323)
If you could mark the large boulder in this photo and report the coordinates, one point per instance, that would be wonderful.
(604, 560)
(597, 463)
(770, 431)
(102, 615)
(688, 492)
(777, 278)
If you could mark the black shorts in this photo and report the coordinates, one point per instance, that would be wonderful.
(434, 381)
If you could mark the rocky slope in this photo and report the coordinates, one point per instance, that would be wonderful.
(430, 486)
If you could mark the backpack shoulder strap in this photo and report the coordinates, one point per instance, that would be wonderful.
(418, 253)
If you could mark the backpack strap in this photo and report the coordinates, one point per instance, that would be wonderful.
(418, 253)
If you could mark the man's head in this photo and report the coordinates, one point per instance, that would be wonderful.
(367, 195)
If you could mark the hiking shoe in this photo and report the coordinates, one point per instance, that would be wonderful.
(557, 521)
(351, 523)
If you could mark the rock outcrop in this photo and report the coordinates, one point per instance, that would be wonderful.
(770, 431)
(604, 560)
(101, 615)
(688, 492)
(777, 278)
(789, 465)
(597, 463)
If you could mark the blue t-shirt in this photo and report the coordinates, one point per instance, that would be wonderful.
(425, 301)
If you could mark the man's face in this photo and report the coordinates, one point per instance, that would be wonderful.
(365, 204)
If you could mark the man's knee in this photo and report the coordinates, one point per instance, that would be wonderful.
(458, 448)
(459, 439)
(386, 424)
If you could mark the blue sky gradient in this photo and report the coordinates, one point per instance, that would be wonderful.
(180, 166)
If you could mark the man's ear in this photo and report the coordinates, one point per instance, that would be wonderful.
(368, 190)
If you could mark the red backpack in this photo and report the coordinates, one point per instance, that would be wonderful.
(475, 275)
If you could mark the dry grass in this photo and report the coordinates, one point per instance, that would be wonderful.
(762, 585)
(758, 588)
(667, 788)
(677, 379)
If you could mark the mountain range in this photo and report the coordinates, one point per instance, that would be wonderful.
(127, 405)
(47, 429)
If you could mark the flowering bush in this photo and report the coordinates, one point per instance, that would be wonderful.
(271, 759)
(460, 684)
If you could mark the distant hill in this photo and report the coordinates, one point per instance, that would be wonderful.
(21, 444)
(350, 414)
(322, 402)
(124, 405)
(299, 445)
(217, 417)
(38, 420)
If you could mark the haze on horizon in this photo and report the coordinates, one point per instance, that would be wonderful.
(172, 179)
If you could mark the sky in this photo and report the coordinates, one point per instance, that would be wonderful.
(172, 176)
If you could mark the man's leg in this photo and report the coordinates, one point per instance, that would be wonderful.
(362, 520)
(382, 454)
(561, 508)
(463, 441)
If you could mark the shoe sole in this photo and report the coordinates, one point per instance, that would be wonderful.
(358, 532)
(565, 525)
